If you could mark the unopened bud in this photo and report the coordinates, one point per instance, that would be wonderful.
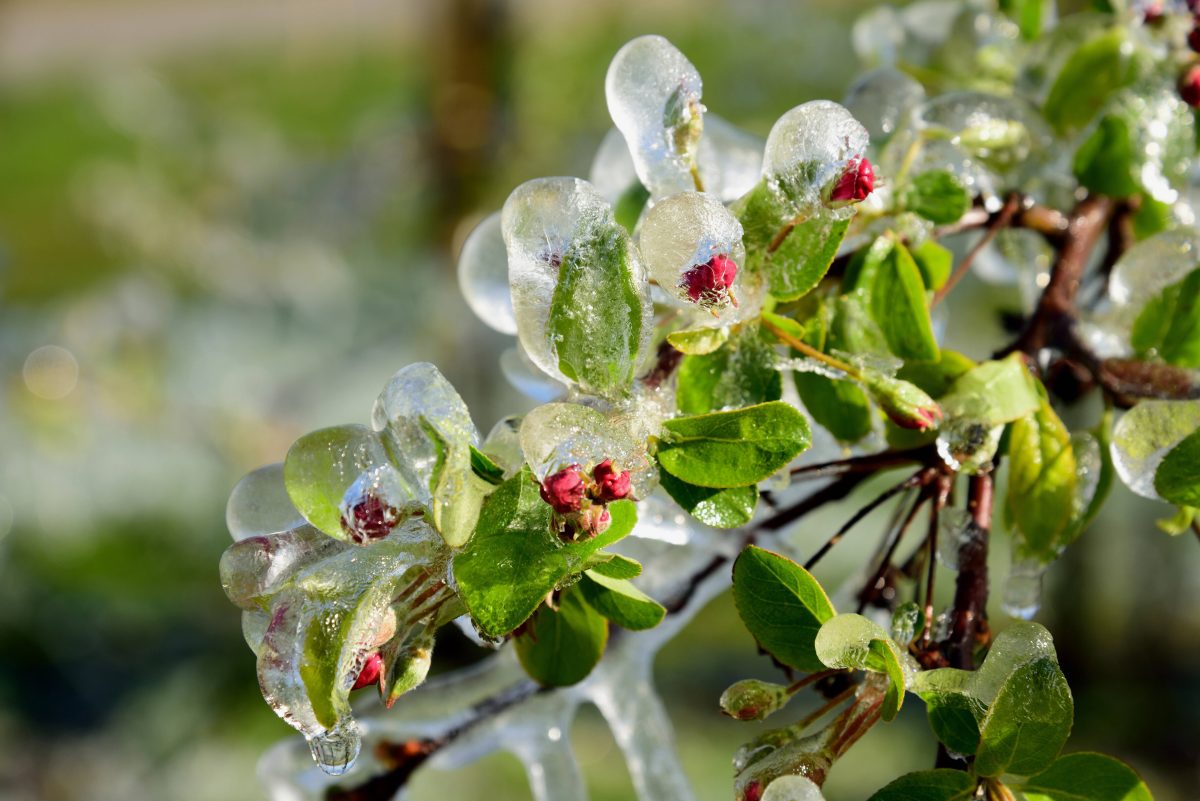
(564, 490)
(1193, 39)
(905, 404)
(751, 699)
(370, 518)
(369, 674)
(610, 485)
(595, 520)
(857, 181)
(1189, 86)
(753, 791)
(709, 283)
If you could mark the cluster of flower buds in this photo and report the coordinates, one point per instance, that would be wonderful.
(857, 181)
(370, 518)
(580, 502)
(371, 670)
(709, 284)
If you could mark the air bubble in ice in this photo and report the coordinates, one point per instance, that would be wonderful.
(483, 275)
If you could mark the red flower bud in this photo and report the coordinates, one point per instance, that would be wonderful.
(856, 182)
(905, 404)
(710, 282)
(369, 674)
(1153, 14)
(753, 791)
(370, 519)
(1189, 86)
(564, 490)
(610, 485)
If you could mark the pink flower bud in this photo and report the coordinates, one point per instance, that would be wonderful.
(709, 283)
(1153, 14)
(610, 485)
(564, 490)
(1189, 86)
(753, 791)
(856, 182)
(905, 404)
(369, 674)
(370, 519)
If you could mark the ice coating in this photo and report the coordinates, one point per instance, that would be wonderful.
(809, 149)
(881, 100)
(653, 94)
(259, 505)
(557, 435)
(253, 568)
(612, 171)
(1023, 589)
(954, 531)
(547, 222)
(1001, 133)
(793, 788)
(1142, 438)
(483, 275)
(503, 444)
(681, 234)
(525, 377)
(968, 445)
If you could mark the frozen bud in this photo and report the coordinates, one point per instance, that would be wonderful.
(564, 490)
(370, 518)
(856, 182)
(752, 699)
(610, 485)
(753, 791)
(807, 152)
(595, 520)
(905, 404)
(709, 283)
(1189, 86)
(372, 667)
(1153, 14)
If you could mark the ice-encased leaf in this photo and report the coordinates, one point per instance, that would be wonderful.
(579, 290)
(428, 431)
(742, 372)
(1177, 478)
(1143, 437)
(1002, 133)
(556, 435)
(993, 392)
(1169, 326)
(943, 784)
(1041, 483)
(881, 99)
(895, 293)
(653, 94)
(483, 275)
(1028, 722)
(1098, 67)
(808, 150)
(253, 568)
(1094, 777)
(849, 640)
(259, 505)
(683, 233)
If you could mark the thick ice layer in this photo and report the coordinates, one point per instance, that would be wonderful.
(1023, 589)
(1145, 434)
(680, 237)
(1152, 265)
(808, 150)
(254, 568)
(503, 444)
(881, 99)
(556, 435)
(653, 94)
(527, 378)
(259, 505)
(483, 275)
(1001, 133)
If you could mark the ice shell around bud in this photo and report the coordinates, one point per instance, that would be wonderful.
(259, 505)
(683, 232)
(793, 788)
(483, 275)
(1002, 133)
(1144, 435)
(808, 151)
(653, 94)
(751, 699)
(881, 100)
(556, 435)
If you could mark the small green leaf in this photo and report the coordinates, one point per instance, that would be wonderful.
(483, 466)
(741, 373)
(719, 508)
(896, 298)
(929, 785)
(1097, 68)
(1104, 162)
(935, 262)
(1029, 15)
(1041, 483)
(1177, 478)
(938, 196)
(838, 405)
(698, 341)
(620, 601)
(560, 646)
(1028, 723)
(993, 393)
(1086, 777)
(1169, 325)
(804, 257)
(614, 565)
(851, 641)
(733, 449)
(936, 378)
(782, 606)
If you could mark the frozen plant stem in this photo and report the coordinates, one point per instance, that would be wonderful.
(810, 351)
(1001, 220)
(916, 479)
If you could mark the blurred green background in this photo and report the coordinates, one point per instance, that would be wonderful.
(223, 224)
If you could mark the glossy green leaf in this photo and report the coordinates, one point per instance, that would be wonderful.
(838, 405)
(614, 565)
(484, 467)
(1177, 478)
(741, 373)
(628, 208)
(1028, 723)
(804, 257)
(993, 393)
(1086, 777)
(598, 345)
(1030, 16)
(560, 646)
(1104, 162)
(782, 606)
(851, 641)
(735, 448)
(929, 785)
(936, 378)
(935, 262)
(896, 298)
(1097, 68)
(938, 196)
(698, 341)
(720, 508)
(1041, 483)
(1169, 325)
(620, 601)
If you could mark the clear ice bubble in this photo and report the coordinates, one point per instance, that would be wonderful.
(483, 275)
(1162, 129)
(967, 445)
(681, 239)
(954, 531)
(808, 150)
(877, 36)
(556, 435)
(1001, 133)
(259, 505)
(254, 628)
(1023, 589)
(1152, 265)
(549, 222)
(527, 378)
(1145, 434)
(653, 94)
(881, 100)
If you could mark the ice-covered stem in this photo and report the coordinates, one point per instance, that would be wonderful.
(878, 580)
(811, 352)
(945, 483)
(1001, 219)
(869, 463)
(970, 626)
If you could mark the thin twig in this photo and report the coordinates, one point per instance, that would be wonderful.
(895, 535)
(994, 225)
(891, 492)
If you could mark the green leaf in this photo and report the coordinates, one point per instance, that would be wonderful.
(628, 208)
(614, 565)
(620, 601)
(929, 785)
(560, 646)
(1104, 162)
(993, 393)
(595, 319)
(515, 558)
(719, 508)
(935, 262)
(839, 405)
(938, 196)
(804, 257)
(1097, 68)
(1028, 723)
(782, 606)
(1177, 478)
(936, 378)
(1169, 325)
(1086, 777)
(851, 641)
(733, 449)
(740, 373)
(483, 466)
(1042, 479)
(896, 298)
(1028, 14)
(698, 341)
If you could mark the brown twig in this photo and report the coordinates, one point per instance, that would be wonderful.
(970, 628)
(995, 223)
(914, 480)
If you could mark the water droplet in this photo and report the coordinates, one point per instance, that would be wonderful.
(335, 751)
